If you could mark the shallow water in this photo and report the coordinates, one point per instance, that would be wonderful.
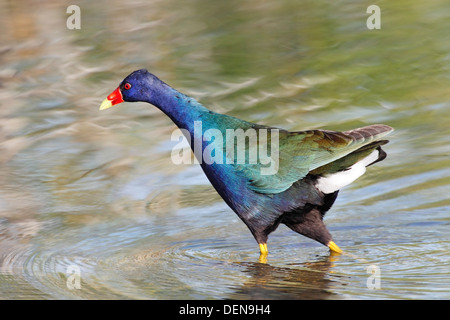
(92, 207)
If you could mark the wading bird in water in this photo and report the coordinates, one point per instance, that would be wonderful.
(312, 165)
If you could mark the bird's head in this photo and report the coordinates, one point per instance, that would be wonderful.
(137, 86)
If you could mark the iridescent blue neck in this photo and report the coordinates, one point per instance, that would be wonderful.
(182, 109)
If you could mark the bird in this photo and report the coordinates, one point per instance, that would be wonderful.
(296, 189)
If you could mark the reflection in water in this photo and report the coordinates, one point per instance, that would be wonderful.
(304, 281)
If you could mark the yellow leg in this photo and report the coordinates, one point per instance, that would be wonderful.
(264, 252)
(263, 248)
(334, 248)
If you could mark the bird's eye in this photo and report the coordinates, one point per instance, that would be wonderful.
(127, 86)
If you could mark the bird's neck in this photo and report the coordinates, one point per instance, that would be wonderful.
(180, 108)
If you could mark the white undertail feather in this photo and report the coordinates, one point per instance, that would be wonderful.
(333, 182)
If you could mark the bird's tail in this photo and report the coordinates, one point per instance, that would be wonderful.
(369, 133)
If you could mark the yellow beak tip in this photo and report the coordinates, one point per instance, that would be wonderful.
(105, 104)
(334, 247)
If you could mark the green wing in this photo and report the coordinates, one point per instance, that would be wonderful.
(302, 152)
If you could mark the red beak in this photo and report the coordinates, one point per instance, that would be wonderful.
(114, 98)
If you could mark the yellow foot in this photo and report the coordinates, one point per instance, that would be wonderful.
(263, 248)
(264, 252)
(334, 248)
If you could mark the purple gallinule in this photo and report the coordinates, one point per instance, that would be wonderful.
(311, 166)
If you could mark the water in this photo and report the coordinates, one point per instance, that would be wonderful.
(91, 206)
